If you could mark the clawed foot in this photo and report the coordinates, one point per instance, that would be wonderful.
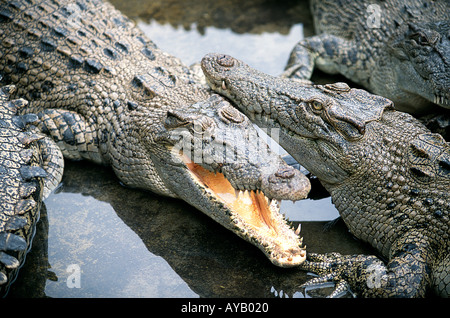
(344, 271)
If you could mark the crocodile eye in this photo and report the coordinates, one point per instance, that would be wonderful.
(200, 126)
(198, 129)
(316, 106)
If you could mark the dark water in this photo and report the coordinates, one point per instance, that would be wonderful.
(97, 238)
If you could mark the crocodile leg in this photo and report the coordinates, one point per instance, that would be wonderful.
(72, 133)
(327, 52)
(407, 271)
(70, 136)
(52, 157)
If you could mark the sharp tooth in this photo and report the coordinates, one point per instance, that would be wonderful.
(297, 231)
(224, 85)
(236, 193)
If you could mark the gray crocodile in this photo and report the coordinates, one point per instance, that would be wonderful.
(21, 185)
(397, 49)
(387, 174)
(104, 92)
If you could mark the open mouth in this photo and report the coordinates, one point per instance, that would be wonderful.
(253, 216)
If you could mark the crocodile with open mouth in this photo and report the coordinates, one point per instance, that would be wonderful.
(104, 92)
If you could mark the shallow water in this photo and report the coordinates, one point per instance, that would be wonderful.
(97, 238)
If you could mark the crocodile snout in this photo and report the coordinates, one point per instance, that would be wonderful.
(286, 184)
(215, 63)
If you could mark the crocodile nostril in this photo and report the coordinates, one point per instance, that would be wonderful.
(285, 173)
(225, 61)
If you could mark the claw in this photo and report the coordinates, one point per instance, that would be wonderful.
(342, 287)
(9, 261)
(320, 280)
(12, 242)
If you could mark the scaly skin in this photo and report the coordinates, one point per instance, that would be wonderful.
(104, 92)
(397, 49)
(387, 174)
(21, 184)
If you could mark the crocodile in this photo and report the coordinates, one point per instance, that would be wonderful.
(397, 49)
(106, 93)
(387, 174)
(21, 185)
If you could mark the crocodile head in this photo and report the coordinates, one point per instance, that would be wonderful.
(317, 123)
(422, 51)
(211, 156)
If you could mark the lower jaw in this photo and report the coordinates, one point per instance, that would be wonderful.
(253, 217)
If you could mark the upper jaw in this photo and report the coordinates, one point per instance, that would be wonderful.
(441, 100)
